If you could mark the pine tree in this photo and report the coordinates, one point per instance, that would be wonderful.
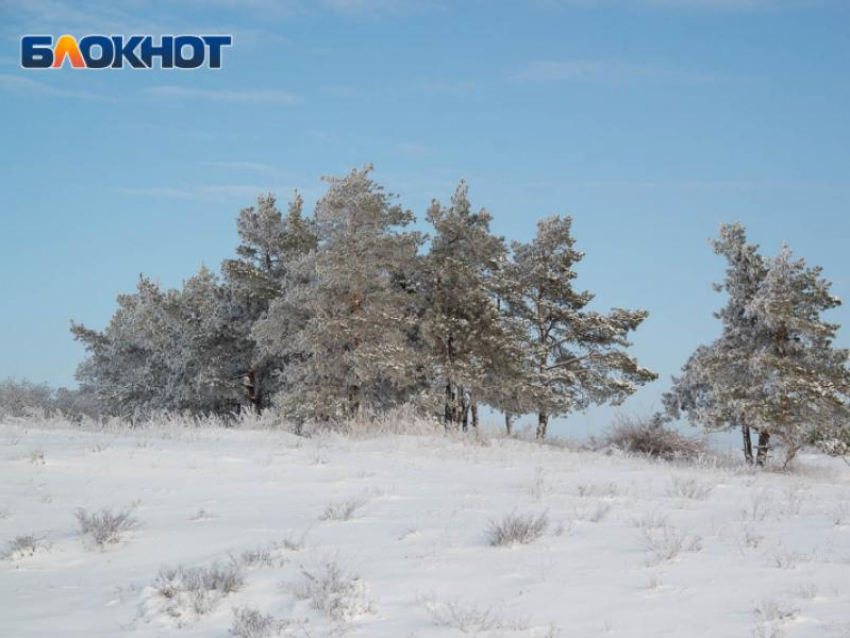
(714, 388)
(200, 352)
(122, 370)
(774, 368)
(270, 241)
(462, 327)
(346, 310)
(806, 380)
(163, 350)
(576, 357)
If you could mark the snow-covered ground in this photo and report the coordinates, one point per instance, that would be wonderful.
(632, 548)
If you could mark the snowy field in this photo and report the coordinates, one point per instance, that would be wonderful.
(267, 534)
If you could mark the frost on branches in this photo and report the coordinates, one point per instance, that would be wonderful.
(344, 314)
(574, 357)
(774, 369)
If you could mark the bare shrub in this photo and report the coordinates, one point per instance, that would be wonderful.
(769, 616)
(202, 515)
(794, 498)
(650, 438)
(106, 527)
(752, 539)
(689, 488)
(265, 556)
(22, 546)
(761, 504)
(651, 520)
(295, 543)
(767, 631)
(404, 420)
(251, 623)
(596, 514)
(197, 589)
(667, 542)
(538, 487)
(786, 559)
(839, 514)
(342, 511)
(608, 490)
(333, 590)
(516, 529)
(807, 591)
(469, 619)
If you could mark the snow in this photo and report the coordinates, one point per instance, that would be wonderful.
(762, 553)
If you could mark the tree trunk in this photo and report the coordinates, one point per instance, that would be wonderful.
(748, 444)
(790, 453)
(474, 409)
(761, 456)
(463, 409)
(354, 399)
(509, 423)
(542, 424)
(449, 415)
(251, 389)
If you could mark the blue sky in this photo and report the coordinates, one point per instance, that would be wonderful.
(649, 121)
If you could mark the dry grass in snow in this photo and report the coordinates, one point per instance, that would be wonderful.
(241, 532)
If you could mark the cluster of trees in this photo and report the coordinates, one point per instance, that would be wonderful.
(774, 370)
(21, 398)
(350, 311)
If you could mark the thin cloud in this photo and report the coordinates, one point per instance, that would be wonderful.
(203, 193)
(381, 7)
(682, 184)
(447, 87)
(268, 171)
(608, 72)
(256, 167)
(735, 5)
(693, 5)
(42, 16)
(18, 85)
(413, 149)
(341, 91)
(216, 95)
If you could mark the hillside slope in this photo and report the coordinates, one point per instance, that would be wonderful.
(388, 537)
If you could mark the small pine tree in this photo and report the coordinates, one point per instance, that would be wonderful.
(575, 357)
(163, 350)
(123, 370)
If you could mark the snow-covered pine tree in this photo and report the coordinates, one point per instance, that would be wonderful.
(462, 327)
(806, 379)
(123, 370)
(200, 348)
(576, 357)
(715, 388)
(163, 350)
(774, 368)
(346, 310)
(269, 241)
